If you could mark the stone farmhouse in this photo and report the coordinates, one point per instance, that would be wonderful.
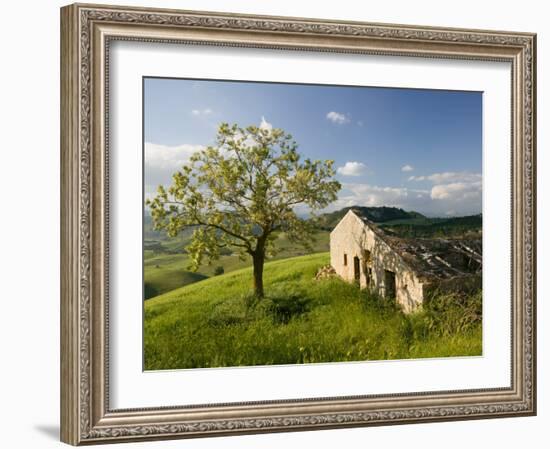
(409, 270)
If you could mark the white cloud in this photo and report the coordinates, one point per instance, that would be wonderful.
(352, 169)
(338, 118)
(265, 125)
(199, 112)
(370, 195)
(440, 200)
(168, 157)
(249, 141)
(357, 194)
(407, 168)
(457, 191)
(162, 161)
(454, 193)
(448, 177)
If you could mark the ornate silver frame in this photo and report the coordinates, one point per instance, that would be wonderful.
(86, 32)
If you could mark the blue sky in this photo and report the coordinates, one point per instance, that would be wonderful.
(416, 149)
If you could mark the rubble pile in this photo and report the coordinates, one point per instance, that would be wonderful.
(325, 272)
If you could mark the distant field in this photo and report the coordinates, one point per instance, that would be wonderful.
(416, 221)
(165, 266)
(468, 226)
(216, 323)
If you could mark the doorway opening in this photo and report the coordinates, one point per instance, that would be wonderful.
(389, 284)
(367, 267)
(356, 269)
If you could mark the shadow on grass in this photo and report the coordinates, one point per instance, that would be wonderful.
(281, 305)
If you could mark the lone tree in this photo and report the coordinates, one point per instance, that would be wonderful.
(239, 192)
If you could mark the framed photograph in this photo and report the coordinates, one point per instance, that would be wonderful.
(277, 224)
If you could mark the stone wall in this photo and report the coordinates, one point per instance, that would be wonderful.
(351, 239)
(347, 241)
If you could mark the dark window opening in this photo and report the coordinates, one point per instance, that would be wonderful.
(345, 260)
(471, 265)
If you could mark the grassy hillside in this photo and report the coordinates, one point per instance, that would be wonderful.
(165, 262)
(215, 322)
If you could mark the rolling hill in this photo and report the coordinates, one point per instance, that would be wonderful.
(381, 214)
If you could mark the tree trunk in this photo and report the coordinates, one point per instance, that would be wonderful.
(258, 261)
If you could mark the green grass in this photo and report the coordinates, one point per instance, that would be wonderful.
(216, 322)
(166, 267)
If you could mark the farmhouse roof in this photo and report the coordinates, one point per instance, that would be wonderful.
(433, 258)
